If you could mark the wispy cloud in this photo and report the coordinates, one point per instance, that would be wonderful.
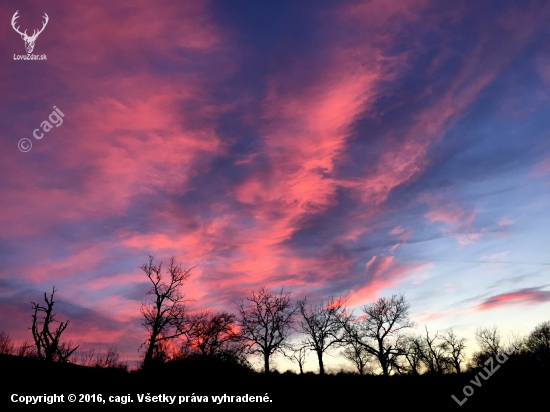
(527, 296)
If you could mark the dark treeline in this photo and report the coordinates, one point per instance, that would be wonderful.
(214, 348)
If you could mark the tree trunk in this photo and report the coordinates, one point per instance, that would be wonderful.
(321, 366)
(149, 354)
(266, 363)
(49, 354)
(384, 365)
(382, 357)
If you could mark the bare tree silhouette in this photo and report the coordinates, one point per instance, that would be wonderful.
(433, 353)
(216, 335)
(455, 349)
(106, 360)
(48, 344)
(358, 355)
(85, 358)
(266, 322)
(538, 344)
(26, 350)
(110, 359)
(413, 353)
(6, 344)
(322, 326)
(165, 317)
(379, 330)
(489, 342)
(298, 354)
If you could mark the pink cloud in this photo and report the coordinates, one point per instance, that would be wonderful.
(495, 256)
(381, 273)
(396, 230)
(447, 211)
(468, 239)
(505, 221)
(125, 128)
(403, 236)
(425, 317)
(527, 296)
(459, 220)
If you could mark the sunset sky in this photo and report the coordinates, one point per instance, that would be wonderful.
(353, 148)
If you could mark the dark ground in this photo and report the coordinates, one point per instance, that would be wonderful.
(509, 387)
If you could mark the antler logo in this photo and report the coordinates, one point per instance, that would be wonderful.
(29, 40)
